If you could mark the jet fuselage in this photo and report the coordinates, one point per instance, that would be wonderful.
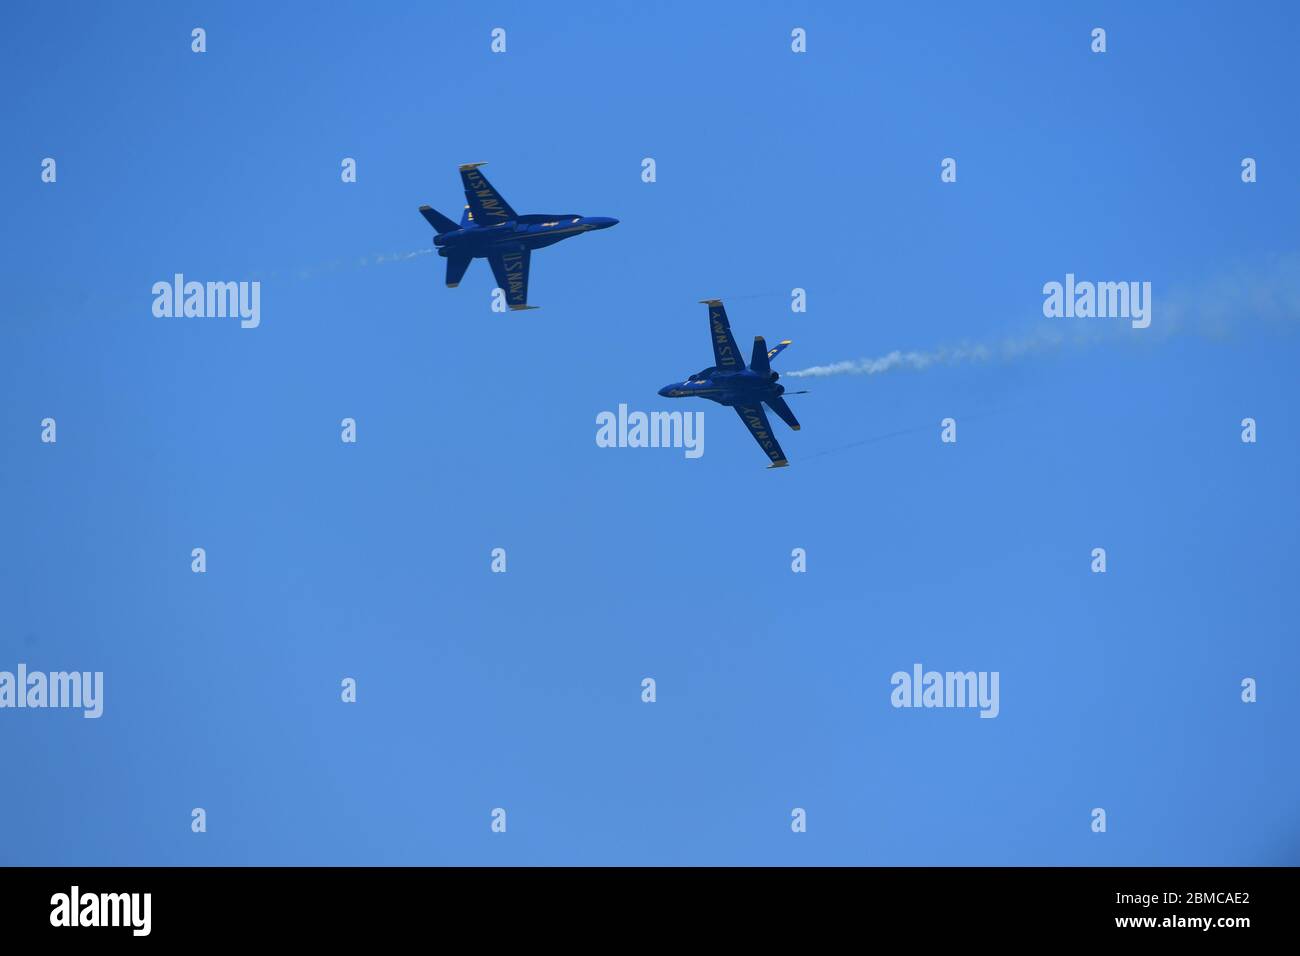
(475, 241)
(744, 387)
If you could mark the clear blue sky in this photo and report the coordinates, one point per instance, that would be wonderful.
(477, 430)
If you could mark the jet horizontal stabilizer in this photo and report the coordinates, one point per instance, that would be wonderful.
(436, 219)
(456, 266)
(778, 405)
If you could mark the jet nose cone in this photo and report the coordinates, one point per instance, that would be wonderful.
(666, 391)
(603, 222)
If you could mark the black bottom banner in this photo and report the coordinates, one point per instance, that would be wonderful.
(93, 905)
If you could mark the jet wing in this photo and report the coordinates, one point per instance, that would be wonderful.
(485, 202)
(511, 271)
(755, 420)
(725, 354)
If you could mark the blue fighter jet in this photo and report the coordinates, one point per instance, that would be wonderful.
(728, 382)
(491, 230)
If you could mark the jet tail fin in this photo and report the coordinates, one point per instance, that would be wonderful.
(436, 219)
(762, 360)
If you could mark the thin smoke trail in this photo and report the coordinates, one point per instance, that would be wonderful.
(918, 361)
(1267, 295)
(364, 261)
(899, 433)
(395, 257)
(338, 265)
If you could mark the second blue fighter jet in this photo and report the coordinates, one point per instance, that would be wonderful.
(491, 230)
(729, 382)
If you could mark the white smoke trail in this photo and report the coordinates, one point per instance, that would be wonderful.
(1006, 350)
(361, 263)
(338, 265)
(395, 257)
(1267, 294)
